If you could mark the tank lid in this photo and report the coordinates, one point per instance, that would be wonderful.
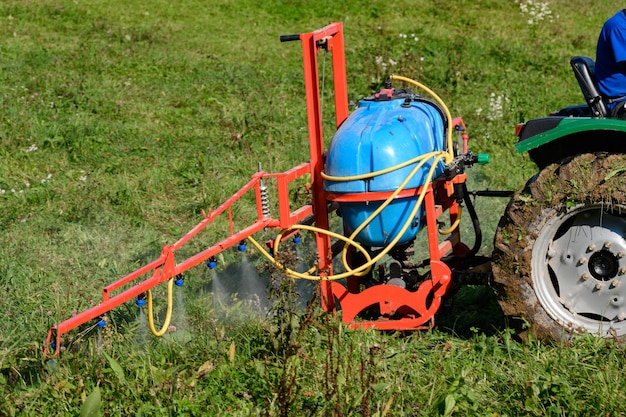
(390, 94)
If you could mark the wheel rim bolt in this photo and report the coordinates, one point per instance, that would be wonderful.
(551, 253)
(582, 261)
(620, 254)
(584, 276)
(621, 316)
(591, 248)
(615, 283)
(608, 244)
(622, 270)
(599, 286)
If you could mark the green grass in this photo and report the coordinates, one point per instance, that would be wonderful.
(120, 121)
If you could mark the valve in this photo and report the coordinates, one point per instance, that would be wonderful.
(179, 280)
(242, 246)
(141, 300)
(101, 322)
(211, 263)
(297, 239)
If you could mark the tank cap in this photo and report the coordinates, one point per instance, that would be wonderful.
(384, 94)
(391, 94)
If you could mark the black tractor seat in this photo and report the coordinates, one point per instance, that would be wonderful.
(584, 70)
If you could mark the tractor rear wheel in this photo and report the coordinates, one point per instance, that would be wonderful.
(560, 250)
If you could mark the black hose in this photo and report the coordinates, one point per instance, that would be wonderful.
(478, 241)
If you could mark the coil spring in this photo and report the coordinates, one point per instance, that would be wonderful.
(265, 201)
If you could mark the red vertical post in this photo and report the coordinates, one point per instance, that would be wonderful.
(329, 38)
(336, 45)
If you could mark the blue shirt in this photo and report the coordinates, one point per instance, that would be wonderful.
(611, 57)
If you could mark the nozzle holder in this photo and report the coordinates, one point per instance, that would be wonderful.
(141, 300)
(179, 280)
(211, 263)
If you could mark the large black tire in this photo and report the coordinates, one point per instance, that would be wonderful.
(559, 251)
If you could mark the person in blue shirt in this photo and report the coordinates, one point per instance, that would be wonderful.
(610, 68)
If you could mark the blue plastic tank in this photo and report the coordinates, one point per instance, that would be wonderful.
(385, 130)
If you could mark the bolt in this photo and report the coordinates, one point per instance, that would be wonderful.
(582, 261)
(551, 253)
(621, 316)
(608, 244)
(620, 254)
(622, 271)
(591, 248)
(585, 276)
(599, 286)
(615, 283)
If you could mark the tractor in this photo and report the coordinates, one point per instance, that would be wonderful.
(560, 249)
(395, 169)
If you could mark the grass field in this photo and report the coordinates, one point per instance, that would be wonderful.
(120, 121)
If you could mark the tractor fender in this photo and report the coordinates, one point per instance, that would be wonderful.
(552, 139)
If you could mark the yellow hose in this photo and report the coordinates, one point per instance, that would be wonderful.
(454, 225)
(368, 175)
(362, 269)
(168, 314)
(438, 100)
(447, 156)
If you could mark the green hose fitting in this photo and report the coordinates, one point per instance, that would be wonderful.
(483, 158)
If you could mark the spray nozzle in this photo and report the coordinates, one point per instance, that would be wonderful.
(101, 322)
(141, 300)
(242, 246)
(297, 239)
(212, 262)
(179, 280)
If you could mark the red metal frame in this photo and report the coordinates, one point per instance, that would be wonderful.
(416, 309)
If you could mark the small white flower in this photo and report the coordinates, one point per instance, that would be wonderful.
(83, 178)
(32, 148)
(536, 10)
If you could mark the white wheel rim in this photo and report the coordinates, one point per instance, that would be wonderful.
(578, 265)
